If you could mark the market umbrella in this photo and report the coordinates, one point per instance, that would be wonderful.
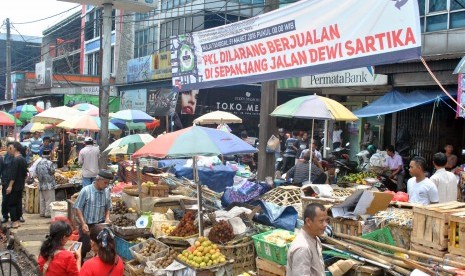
(111, 127)
(85, 122)
(133, 126)
(316, 108)
(218, 117)
(56, 115)
(92, 112)
(25, 112)
(128, 144)
(33, 127)
(7, 119)
(192, 142)
(133, 115)
(85, 107)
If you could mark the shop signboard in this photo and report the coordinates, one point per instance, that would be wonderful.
(289, 42)
(161, 102)
(134, 99)
(71, 100)
(238, 100)
(354, 77)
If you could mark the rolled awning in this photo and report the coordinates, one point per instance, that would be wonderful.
(394, 101)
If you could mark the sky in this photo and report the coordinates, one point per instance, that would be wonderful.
(29, 10)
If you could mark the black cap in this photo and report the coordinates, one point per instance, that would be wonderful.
(46, 152)
(107, 174)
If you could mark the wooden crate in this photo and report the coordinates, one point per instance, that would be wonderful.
(457, 234)
(431, 224)
(427, 250)
(133, 268)
(31, 199)
(347, 226)
(269, 268)
(454, 258)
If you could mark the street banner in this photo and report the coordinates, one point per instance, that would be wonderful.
(306, 38)
(461, 96)
(161, 102)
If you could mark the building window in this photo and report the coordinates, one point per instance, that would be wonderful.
(146, 42)
(457, 5)
(93, 27)
(436, 23)
(93, 62)
(437, 5)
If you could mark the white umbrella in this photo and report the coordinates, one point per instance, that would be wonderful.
(218, 117)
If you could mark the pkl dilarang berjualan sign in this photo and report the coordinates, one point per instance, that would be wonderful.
(305, 38)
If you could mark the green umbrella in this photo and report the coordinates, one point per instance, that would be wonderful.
(128, 144)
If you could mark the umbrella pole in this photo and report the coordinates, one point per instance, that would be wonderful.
(139, 186)
(311, 154)
(199, 194)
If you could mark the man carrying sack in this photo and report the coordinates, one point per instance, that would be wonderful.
(93, 207)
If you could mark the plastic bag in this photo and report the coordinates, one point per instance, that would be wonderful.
(273, 144)
(277, 216)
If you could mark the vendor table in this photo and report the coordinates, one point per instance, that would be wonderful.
(65, 191)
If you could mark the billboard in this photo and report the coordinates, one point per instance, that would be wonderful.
(297, 41)
(152, 67)
(161, 102)
(40, 72)
(134, 99)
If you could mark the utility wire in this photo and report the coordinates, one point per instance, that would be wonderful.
(45, 18)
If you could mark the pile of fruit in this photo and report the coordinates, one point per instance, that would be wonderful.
(221, 232)
(166, 260)
(138, 240)
(202, 254)
(358, 178)
(151, 247)
(120, 208)
(124, 221)
(149, 184)
(186, 226)
(279, 237)
(60, 179)
(167, 229)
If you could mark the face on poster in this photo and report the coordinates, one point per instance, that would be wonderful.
(189, 101)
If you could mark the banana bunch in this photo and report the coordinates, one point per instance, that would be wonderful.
(358, 178)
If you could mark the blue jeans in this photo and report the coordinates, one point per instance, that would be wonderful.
(86, 181)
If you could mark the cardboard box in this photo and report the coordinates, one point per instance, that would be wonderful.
(362, 202)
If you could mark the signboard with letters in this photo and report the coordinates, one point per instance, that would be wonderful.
(152, 67)
(134, 99)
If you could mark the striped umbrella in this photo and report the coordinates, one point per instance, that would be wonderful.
(33, 127)
(7, 119)
(133, 115)
(129, 144)
(25, 112)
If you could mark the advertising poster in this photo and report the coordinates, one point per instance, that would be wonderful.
(161, 102)
(134, 99)
(71, 100)
(289, 42)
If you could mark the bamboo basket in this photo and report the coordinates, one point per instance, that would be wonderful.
(283, 196)
(243, 254)
(132, 190)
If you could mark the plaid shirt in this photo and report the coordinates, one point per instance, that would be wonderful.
(93, 204)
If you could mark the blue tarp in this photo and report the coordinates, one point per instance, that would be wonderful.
(216, 178)
(394, 101)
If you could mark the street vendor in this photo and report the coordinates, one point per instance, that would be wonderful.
(121, 168)
(93, 207)
(305, 253)
(396, 166)
(421, 190)
(46, 146)
(35, 143)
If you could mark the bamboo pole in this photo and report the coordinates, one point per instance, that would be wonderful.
(359, 251)
(402, 250)
(419, 267)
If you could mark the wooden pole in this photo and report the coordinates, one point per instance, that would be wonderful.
(357, 250)
(401, 250)
(199, 194)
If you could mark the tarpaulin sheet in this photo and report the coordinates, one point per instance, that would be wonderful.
(216, 178)
(277, 216)
(394, 101)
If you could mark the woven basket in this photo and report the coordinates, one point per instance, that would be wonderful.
(283, 196)
(243, 254)
(132, 191)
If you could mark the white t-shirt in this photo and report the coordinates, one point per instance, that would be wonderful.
(446, 182)
(424, 192)
(337, 136)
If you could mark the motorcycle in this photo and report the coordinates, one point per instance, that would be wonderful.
(340, 159)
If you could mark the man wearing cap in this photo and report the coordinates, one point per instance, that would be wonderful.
(92, 207)
(45, 171)
(88, 159)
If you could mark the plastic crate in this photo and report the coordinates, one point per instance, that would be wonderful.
(382, 235)
(270, 251)
(122, 248)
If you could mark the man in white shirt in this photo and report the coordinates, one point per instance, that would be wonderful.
(337, 137)
(316, 152)
(445, 181)
(420, 189)
(88, 159)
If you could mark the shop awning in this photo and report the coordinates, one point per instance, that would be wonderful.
(394, 101)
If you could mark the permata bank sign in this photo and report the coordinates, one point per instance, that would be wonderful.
(354, 77)
(306, 38)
